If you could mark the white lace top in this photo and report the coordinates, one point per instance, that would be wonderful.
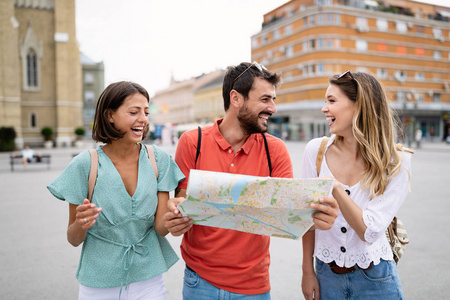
(341, 243)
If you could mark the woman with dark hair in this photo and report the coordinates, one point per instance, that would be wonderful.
(124, 249)
(372, 176)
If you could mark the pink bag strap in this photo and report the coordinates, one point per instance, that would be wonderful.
(93, 173)
(151, 157)
(94, 168)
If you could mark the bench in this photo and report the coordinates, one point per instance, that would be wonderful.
(17, 160)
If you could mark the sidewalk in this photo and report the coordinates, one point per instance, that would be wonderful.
(38, 262)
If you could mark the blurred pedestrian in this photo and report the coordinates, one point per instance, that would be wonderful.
(354, 259)
(418, 137)
(121, 228)
(28, 155)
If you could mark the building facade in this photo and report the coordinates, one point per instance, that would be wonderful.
(93, 77)
(405, 44)
(40, 70)
(208, 101)
(175, 105)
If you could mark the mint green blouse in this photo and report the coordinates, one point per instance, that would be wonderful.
(122, 246)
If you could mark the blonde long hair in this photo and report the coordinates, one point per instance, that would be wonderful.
(373, 128)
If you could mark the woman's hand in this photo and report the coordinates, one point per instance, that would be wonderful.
(86, 214)
(310, 286)
(81, 218)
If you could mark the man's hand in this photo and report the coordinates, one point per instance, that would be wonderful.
(328, 212)
(175, 223)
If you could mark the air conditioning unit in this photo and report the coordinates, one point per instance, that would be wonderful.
(362, 28)
(430, 93)
(409, 24)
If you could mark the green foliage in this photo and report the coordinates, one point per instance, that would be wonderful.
(7, 137)
(47, 133)
(80, 131)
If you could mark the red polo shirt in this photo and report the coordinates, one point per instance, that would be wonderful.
(231, 260)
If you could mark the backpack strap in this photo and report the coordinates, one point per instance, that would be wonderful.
(199, 144)
(93, 172)
(151, 157)
(267, 153)
(94, 168)
(320, 154)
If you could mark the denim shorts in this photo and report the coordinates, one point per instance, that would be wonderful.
(379, 282)
(199, 289)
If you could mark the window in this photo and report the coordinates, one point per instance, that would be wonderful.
(381, 47)
(382, 24)
(289, 51)
(320, 19)
(419, 76)
(89, 96)
(419, 51)
(88, 78)
(33, 120)
(401, 96)
(312, 19)
(32, 71)
(288, 30)
(420, 29)
(312, 44)
(436, 98)
(437, 33)
(401, 27)
(320, 43)
(305, 46)
(276, 34)
(361, 45)
(329, 18)
(401, 50)
(337, 18)
(437, 54)
(329, 44)
(320, 69)
(382, 73)
(400, 76)
(361, 22)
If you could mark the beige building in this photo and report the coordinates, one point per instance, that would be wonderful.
(208, 101)
(405, 43)
(40, 70)
(93, 85)
(175, 104)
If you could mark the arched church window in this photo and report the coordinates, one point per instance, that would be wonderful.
(32, 68)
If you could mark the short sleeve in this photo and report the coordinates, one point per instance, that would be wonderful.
(282, 164)
(72, 184)
(169, 175)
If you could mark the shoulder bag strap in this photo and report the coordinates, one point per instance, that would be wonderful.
(199, 144)
(268, 154)
(151, 157)
(93, 173)
(320, 154)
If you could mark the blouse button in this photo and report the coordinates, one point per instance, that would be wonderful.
(348, 192)
(343, 249)
(229, 151)
(232, 165)
(344, 230)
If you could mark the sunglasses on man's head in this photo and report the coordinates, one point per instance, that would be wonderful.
(258, 66)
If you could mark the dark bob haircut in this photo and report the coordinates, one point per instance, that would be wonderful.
(111, 99)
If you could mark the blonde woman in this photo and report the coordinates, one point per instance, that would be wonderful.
(353, 259)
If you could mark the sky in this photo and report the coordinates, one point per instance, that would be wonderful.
(149, 41)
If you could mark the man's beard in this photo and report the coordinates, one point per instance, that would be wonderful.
(249, 122)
